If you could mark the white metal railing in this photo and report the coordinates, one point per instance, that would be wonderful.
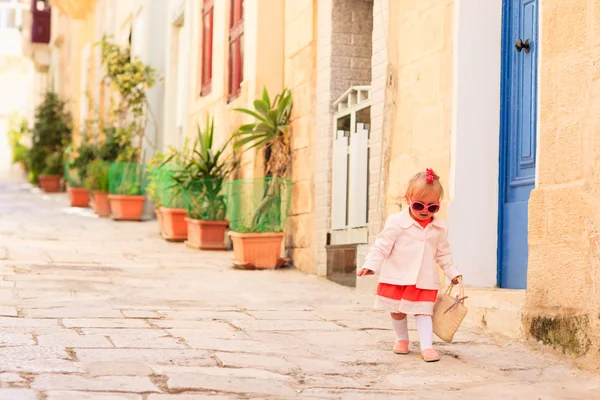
(11, 14)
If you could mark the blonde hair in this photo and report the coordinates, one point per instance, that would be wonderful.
(419, 185)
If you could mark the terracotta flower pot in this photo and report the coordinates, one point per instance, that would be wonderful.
(174, 226)
(49, 183)
(126, 208)
(206, 235)
(257, 250)
(78, 197)
(161, 222)
(101, 204)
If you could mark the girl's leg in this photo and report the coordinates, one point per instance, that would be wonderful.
(425, 329)
(400, 325)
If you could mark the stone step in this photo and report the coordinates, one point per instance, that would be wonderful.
(497, 311)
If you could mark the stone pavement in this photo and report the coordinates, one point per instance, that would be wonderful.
(96, 309)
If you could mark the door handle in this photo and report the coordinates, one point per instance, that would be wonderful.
(520, 46)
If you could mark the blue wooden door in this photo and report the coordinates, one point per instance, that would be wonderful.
(517, 138)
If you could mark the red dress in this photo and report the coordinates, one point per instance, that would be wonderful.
(406, 299)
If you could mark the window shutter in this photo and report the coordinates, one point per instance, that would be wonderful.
(339, 195)
(358, 177)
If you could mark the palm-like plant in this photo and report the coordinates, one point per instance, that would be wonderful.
(270, 131)
(203, 174)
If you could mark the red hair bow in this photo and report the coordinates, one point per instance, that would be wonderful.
(430, 175)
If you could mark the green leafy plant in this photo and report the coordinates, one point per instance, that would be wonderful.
(152, 190)
(269, 132)
(131, 79)
(54, 164)
(50, 136)
(127, 179)
(203, 173)
(76, 164)
(97, 176)
(18, 129)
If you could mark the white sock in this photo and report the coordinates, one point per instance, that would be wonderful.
(425, 329)
(401, 328)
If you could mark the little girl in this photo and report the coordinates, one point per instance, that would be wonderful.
(410, 246)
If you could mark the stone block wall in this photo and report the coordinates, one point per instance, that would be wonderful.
(300, 77)
(563, 295)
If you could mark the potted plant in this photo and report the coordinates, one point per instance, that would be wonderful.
(131, 79)
(202, 180)
(172, 209)
(76, 172)
(108, 147)
(51, 132)
(127, 184)
(50, 179)
(96, 182)
(258, 208)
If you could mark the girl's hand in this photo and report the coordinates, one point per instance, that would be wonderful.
(365, 271)
(456, 280)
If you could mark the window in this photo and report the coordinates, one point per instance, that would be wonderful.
(236, 48)
(207, 47)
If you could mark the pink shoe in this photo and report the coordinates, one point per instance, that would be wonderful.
(430, 355)
(401, 347)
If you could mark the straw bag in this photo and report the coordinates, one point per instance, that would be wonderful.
(449, 312)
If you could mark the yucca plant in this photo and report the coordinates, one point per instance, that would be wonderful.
(270, 132)
(203, 173)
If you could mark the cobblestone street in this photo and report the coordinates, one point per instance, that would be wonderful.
(95, 309)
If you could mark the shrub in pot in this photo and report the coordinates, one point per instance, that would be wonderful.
(50, 179)
(131, 79)
(202, 180)
(171, 204)
(51, 132)
(96, 182)
(166, 193)
(258, 208)
(76, 168)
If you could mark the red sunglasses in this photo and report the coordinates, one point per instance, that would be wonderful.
(418, 206)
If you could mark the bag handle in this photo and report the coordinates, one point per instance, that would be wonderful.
(458, 299)
(461, 286)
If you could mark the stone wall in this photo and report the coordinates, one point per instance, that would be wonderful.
(563, 299)
(379, 63)
(300, 78)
